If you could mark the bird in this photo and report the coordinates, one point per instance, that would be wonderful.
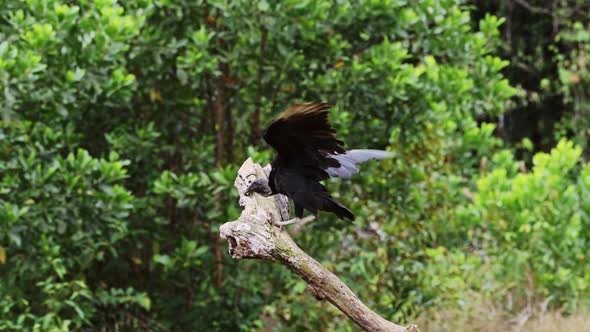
(308, 152)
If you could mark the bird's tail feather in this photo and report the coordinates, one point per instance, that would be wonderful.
(340, 210)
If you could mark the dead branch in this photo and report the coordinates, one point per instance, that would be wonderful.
(254, 236)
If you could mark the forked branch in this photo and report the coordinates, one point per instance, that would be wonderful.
(254, 235)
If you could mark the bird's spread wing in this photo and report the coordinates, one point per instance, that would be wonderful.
(304, 139)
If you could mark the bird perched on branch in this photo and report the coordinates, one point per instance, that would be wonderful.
(307, 153)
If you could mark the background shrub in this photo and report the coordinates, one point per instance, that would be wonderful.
(124, 123)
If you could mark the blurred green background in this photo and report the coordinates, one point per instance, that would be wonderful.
(123, 124)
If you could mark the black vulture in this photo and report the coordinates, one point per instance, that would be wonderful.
(307, 153)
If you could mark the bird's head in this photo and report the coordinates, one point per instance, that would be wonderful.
(259, 186)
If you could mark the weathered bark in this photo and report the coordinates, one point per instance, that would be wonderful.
(254, 236)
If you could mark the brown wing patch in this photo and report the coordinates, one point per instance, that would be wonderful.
(302, 110)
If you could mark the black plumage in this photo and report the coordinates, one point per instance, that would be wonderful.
(307, 153)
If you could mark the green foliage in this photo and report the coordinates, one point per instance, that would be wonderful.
(574, 78)
(76, 52)
(124, 124)
(538, 220)
(64, 214)
(528, 237)
(547, 45)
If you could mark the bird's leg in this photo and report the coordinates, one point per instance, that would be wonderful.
(295, 220)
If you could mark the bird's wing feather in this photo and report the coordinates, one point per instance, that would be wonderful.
(304, 139)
